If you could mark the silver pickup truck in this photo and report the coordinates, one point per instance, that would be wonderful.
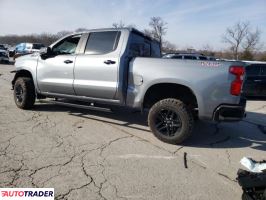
(124, 67)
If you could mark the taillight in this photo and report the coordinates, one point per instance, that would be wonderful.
(236, 85)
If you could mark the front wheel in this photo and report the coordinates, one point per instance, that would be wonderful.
(24, 93)
(171, 121)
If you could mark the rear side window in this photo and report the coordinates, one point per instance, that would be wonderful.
(253, 70)
(102, 42)
(140, 49)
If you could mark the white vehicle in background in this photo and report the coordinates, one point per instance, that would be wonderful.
(27, 48)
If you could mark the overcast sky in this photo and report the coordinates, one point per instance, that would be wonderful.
(191, 23)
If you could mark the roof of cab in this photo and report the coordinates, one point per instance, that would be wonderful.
(116, 29)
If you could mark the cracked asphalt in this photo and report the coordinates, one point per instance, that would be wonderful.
(87, 154)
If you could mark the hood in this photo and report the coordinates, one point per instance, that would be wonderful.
(33, 56)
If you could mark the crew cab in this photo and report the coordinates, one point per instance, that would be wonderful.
(123, 67)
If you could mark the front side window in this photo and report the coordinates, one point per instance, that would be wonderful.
(67, 45)
(102, 42)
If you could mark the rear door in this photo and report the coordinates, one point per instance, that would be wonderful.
(253, 80)
(96, 70)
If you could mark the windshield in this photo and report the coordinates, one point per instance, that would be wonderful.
(2, 47)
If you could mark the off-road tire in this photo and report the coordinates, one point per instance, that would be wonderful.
(181, 113)
(27, 98)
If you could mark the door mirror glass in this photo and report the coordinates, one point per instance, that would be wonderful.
(45, 52)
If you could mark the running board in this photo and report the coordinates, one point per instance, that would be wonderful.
(76, 105)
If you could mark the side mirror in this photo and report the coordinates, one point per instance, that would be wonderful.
(45, 52)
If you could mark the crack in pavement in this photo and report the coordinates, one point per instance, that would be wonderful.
(260, 108)
(261, 128)
(91, 179)
(220, 141)
(63, 196)
(227, 177)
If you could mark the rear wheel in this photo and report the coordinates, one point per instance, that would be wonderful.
(171, 121)
(24, 93)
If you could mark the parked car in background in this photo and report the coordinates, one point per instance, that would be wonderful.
(27, 48)
(11, 51)
(255, 83)
(188, 56)
(4, 58)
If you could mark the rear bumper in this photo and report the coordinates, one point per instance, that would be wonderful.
(229, 112)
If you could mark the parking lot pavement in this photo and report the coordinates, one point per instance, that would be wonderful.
(100, 155)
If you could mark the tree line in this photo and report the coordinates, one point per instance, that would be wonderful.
(244, 42)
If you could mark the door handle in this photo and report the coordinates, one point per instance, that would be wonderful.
(108, 62)
(68, 61)
(257, 80)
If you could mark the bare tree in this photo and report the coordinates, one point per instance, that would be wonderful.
(63, 33)
(168, 47)
(120, 24)
(241, 37)
(81, 30)
(235, 35)
(252, 40)
(207, 50)
(157, 29)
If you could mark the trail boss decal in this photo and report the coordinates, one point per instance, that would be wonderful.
(210, 64)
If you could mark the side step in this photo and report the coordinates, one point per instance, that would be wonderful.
(82, 105)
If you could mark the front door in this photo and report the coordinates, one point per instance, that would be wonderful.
(96, 70)
(55, 73)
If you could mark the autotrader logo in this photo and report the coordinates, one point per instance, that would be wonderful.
(27, 193)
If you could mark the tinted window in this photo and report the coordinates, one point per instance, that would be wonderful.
(37, 46)
(177, 57)
(203, 58)
(140, 46)
(102, 42)
(263, 70)
(67, 45)
(253, 70)
(190, 57)
(138, 49)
